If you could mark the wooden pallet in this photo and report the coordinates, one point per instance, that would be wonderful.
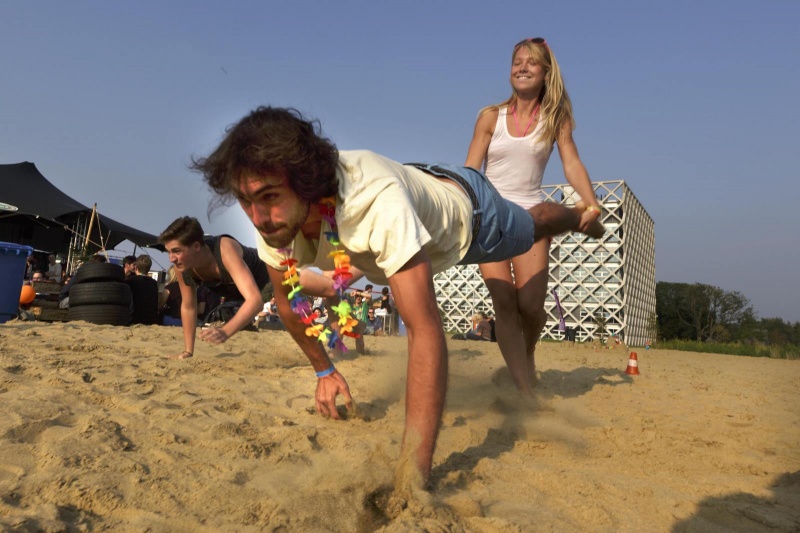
(49, 313)
(45, 306)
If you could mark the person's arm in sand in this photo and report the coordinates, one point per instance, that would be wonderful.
(231, 252)
(426, 385)
(330, 386)
(188, 316)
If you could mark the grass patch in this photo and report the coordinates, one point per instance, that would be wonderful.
(783, 351)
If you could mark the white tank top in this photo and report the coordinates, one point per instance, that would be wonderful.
(515, 165)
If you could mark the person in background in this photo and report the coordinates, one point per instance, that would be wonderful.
(386, 313)
(569, 335)
(481, 329)
(373, 323)
(171, 308)
(144, 293)
(386, 300)
(366, 294)
(129, 264)
(317, 304)
(269, 313)
(221, 264)
(31, 266)
(360, 307)
(53, 269)
(514, 140)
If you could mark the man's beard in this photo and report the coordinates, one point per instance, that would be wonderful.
(287, 231)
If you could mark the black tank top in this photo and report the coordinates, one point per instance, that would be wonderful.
(225, 287)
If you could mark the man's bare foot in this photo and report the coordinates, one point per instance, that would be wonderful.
(590, 221)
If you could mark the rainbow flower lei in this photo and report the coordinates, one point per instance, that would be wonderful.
(341, 279)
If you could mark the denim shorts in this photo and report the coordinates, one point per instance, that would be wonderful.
(500, 229)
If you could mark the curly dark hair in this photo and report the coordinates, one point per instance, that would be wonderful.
(272, 140)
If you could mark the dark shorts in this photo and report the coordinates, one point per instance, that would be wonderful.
(500, 229)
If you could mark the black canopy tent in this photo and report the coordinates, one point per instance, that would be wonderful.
(36, 213)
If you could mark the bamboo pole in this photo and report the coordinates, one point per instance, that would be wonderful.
(89, 229)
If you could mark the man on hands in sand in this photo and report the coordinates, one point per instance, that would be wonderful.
(222, 265)
(399, 224)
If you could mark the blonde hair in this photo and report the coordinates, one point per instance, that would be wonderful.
(172, 275)
(556, 107)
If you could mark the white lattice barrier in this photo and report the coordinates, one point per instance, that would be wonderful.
(614, 275)
(460, 293)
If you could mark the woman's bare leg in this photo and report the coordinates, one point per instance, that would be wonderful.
(530, 279)
(508, 328)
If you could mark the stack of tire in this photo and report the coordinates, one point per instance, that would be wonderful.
(100, 295)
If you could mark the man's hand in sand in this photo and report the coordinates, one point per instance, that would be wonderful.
(213, 335)
(328, 388)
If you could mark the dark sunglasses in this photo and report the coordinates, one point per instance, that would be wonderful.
(534, 40)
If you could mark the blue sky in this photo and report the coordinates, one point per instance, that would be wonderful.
(692, 103)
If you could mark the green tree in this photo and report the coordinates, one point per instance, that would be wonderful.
(714, 312)
(670, 306)
(776, 331)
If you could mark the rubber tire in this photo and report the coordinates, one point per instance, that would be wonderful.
(100, 293)
(99, 272)
(114, 315)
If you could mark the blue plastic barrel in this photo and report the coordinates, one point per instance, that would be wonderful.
(12, 273)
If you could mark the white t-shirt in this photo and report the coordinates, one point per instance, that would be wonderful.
(386, 213)
(54, 272)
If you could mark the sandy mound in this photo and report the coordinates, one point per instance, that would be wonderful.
(99, 431)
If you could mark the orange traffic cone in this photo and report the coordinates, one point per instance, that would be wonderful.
(633, 365)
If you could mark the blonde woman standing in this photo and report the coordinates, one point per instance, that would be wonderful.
(513, 140)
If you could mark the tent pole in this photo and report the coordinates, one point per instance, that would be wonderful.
(89, 229)
(75, 243)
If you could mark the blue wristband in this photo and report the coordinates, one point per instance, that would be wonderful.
(327, 372)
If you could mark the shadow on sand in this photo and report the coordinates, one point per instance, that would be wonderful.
(566, 384)
(745, 512)
(579, 381)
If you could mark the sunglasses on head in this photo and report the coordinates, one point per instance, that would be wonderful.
(534, 40)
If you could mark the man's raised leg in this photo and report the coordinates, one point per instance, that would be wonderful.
(551, 219)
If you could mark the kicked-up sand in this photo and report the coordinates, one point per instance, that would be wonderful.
(100, 432)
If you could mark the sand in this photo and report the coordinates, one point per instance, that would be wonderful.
(99, 431)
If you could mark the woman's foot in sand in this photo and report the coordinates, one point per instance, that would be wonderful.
(183, 355)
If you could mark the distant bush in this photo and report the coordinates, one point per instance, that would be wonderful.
(783, 351)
